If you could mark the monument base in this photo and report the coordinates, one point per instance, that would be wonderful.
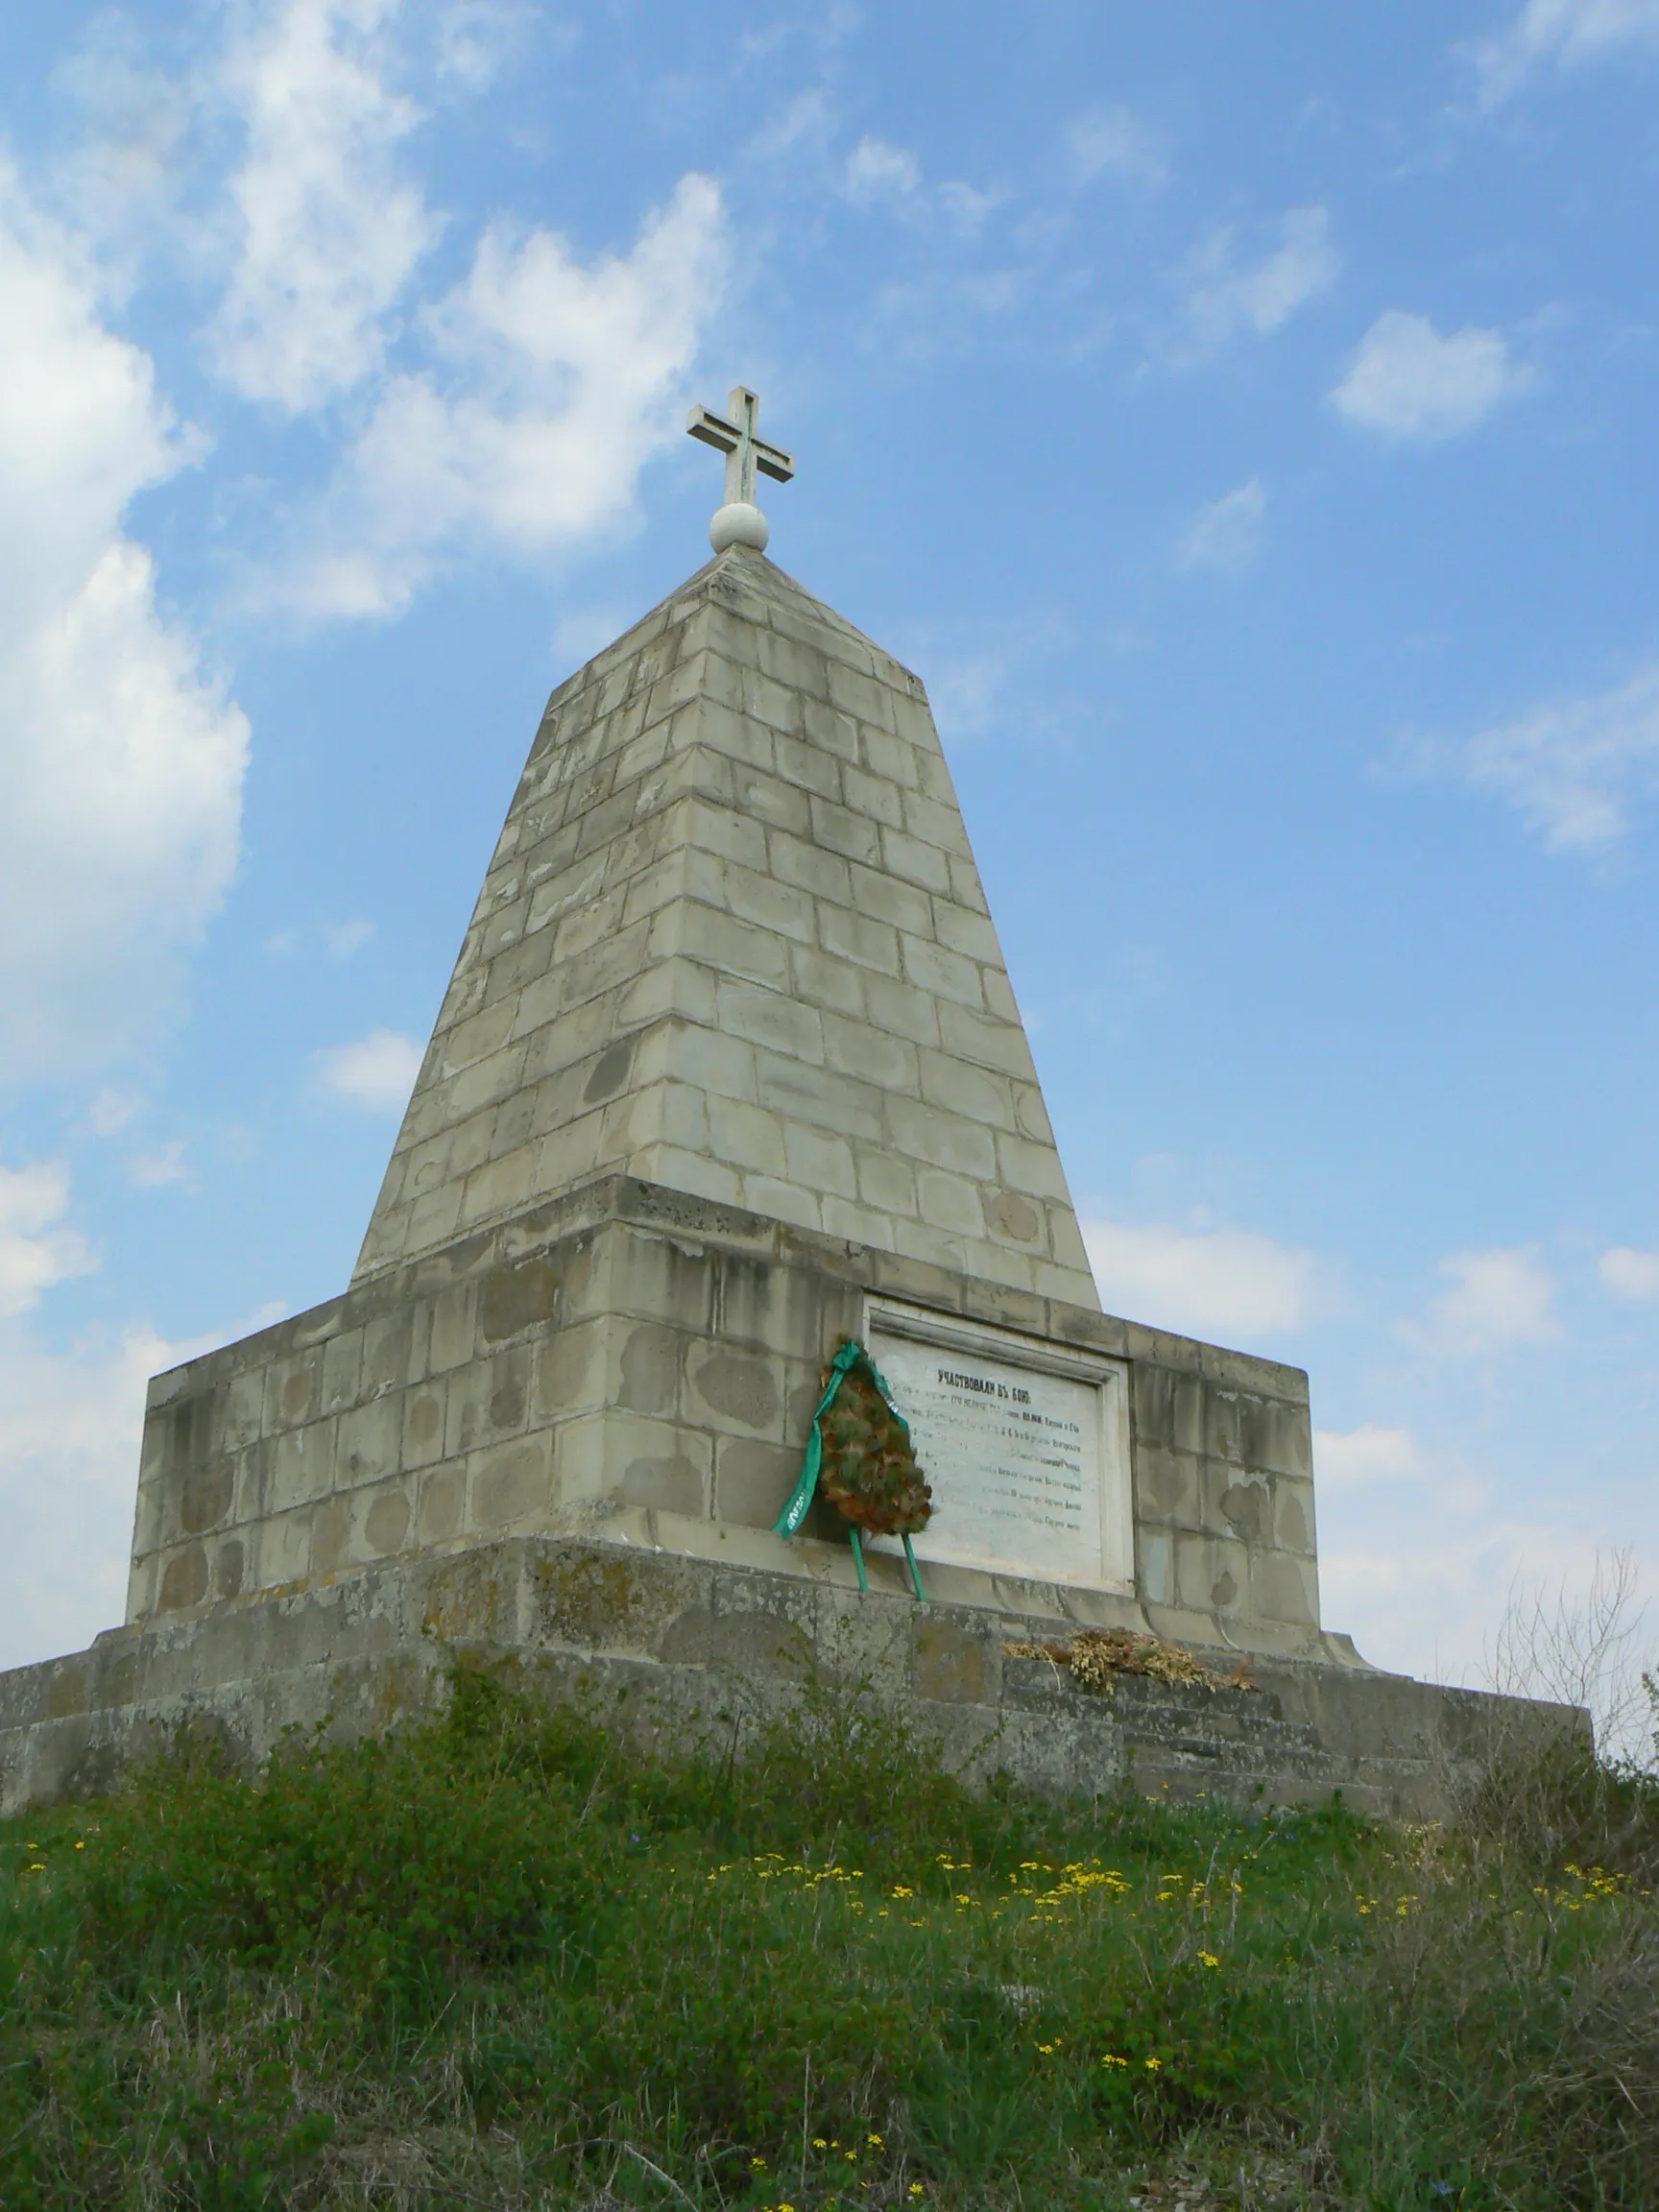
(675, 1644)
(637, 1364)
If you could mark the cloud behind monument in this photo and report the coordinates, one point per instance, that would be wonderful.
(1213, 1281)
(1409, 383)
(122, 757)
(550, 381)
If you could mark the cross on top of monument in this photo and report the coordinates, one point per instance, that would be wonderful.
(739, 521)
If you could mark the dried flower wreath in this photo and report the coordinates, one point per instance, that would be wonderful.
(859, 1450)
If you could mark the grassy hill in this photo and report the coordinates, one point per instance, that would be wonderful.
(500, 1961)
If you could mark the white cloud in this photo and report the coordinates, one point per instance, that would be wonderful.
(806, 120)
(328, 233)
(878, 173)
(1571, 767)
(1209, 1283)
(154, 1170)
(69, 1431)
(70, 1424)
(476, 39)
(556, 382)
(1112, 141)
(344, 938)
(1226, 535)
(110, 1112)
(121, 763)
(964, 206)
(121, 179)
(1561, 30)
(1628, 1273)
(1497, 1300)
(36, 1249)
(1407, 381)
(1224, 301)
(377, 1072)
(881, 175)
(1348, 1459)
(1427, 1591)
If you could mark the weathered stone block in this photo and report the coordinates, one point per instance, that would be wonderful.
(741, 1392)
(342, 1370)
(751, 1480)
(824, 981)
(510, 1486)
(183, 1579)
(858, 939)
(386, 1519)
(303, 1464)
(1293, 1525)
(369, 1441)
(1238, 1504)
(441, 1505)
(292, 1394)
(675, 1484)
(1167, 1485)
(767, 1018)
(522, 1295)
(939, 1140)
(697, 1175)
(1212, 1575)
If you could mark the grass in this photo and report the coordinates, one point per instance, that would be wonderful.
(500, 1961)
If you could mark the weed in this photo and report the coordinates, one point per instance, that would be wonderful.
(503, 1959)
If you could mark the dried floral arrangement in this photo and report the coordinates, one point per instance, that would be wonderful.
(1097, 1656)
(859, 1453)
(868, 1469)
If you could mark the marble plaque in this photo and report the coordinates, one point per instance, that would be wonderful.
(1025, 1445)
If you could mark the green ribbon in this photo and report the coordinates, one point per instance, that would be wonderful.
(795, 1505)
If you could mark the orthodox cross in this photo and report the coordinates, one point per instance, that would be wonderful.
(735, 435)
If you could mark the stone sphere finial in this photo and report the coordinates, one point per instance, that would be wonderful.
(737, 523)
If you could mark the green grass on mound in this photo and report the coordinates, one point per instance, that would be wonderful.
(498, 1960)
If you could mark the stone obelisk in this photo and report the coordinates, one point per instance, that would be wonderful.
(729, 1077)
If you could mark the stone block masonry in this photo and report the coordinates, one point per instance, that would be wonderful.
(730, 1070)
(677, 1648)
(732, 940)
(639, 1364)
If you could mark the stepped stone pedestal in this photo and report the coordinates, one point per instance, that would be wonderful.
(729, 1069)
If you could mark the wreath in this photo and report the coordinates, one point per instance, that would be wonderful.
(860, 1454)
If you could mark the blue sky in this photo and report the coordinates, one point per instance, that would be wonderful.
(1241, 420)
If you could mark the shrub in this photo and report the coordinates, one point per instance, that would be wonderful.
(503, 1959)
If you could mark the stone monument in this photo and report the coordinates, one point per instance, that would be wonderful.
(729, 1071)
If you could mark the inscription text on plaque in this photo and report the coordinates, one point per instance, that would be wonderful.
(1025, 1446)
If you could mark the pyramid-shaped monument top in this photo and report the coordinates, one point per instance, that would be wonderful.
(732, 942)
